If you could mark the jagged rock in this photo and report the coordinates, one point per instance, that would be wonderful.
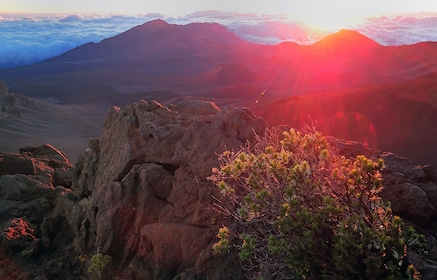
(22, 196)
(410, 201)
(431, 173)
(85, 169)
(18, 164)
(409, 189)
(46, 151)
(194, 109)
(152, 199)
(44, 163)
(31, 184)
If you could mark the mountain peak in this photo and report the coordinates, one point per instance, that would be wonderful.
(156, 23)
(345, 40)
(157, 39)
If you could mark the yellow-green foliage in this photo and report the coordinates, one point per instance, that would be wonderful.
(222, 245)
(305, 212)
(99, 263)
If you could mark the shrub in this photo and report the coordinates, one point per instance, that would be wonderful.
(99, 263)
(302, 211)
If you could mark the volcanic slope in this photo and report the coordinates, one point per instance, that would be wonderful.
(354, 87)
(398, 117)
(159, 57)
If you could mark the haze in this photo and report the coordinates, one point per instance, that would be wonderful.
(325, 13)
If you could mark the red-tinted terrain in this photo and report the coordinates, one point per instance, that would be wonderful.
(351, 86)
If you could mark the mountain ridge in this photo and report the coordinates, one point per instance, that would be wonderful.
(158, 56)
(151, 62)
(160, 48)
(154, 39)
(346, 40)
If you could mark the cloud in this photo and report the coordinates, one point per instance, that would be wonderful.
(275, 32)
(27, 40)
(71, 18)
(398, 29)
(30, 39)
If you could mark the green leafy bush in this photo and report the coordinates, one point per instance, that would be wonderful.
(302, 211)
(99, 263)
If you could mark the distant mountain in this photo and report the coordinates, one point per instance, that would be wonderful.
(156, 40)
(151, 57)
(184, 60)
(346, 42)
(352, 86)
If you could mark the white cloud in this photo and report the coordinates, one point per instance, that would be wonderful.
(398, 29)
(275, 32)
(26, 40)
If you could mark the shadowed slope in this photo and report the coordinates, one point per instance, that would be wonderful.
(399, 118)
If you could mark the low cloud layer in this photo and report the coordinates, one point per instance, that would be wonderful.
(26, 40)
(30, 39)
(395, 30)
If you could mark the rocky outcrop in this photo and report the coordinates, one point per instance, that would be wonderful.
(411, 189)
(146, 181)
(31, 184)
(140, 195)
(43, 163)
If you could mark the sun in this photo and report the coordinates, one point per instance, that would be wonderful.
(327, 21)
(332, 15)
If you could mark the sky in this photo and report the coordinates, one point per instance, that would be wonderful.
(33, 30)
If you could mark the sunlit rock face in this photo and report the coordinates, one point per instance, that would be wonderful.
(147, 183)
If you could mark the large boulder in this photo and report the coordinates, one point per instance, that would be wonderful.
(44, 163)
(411, 191)
(32, 183)
(146, 181)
